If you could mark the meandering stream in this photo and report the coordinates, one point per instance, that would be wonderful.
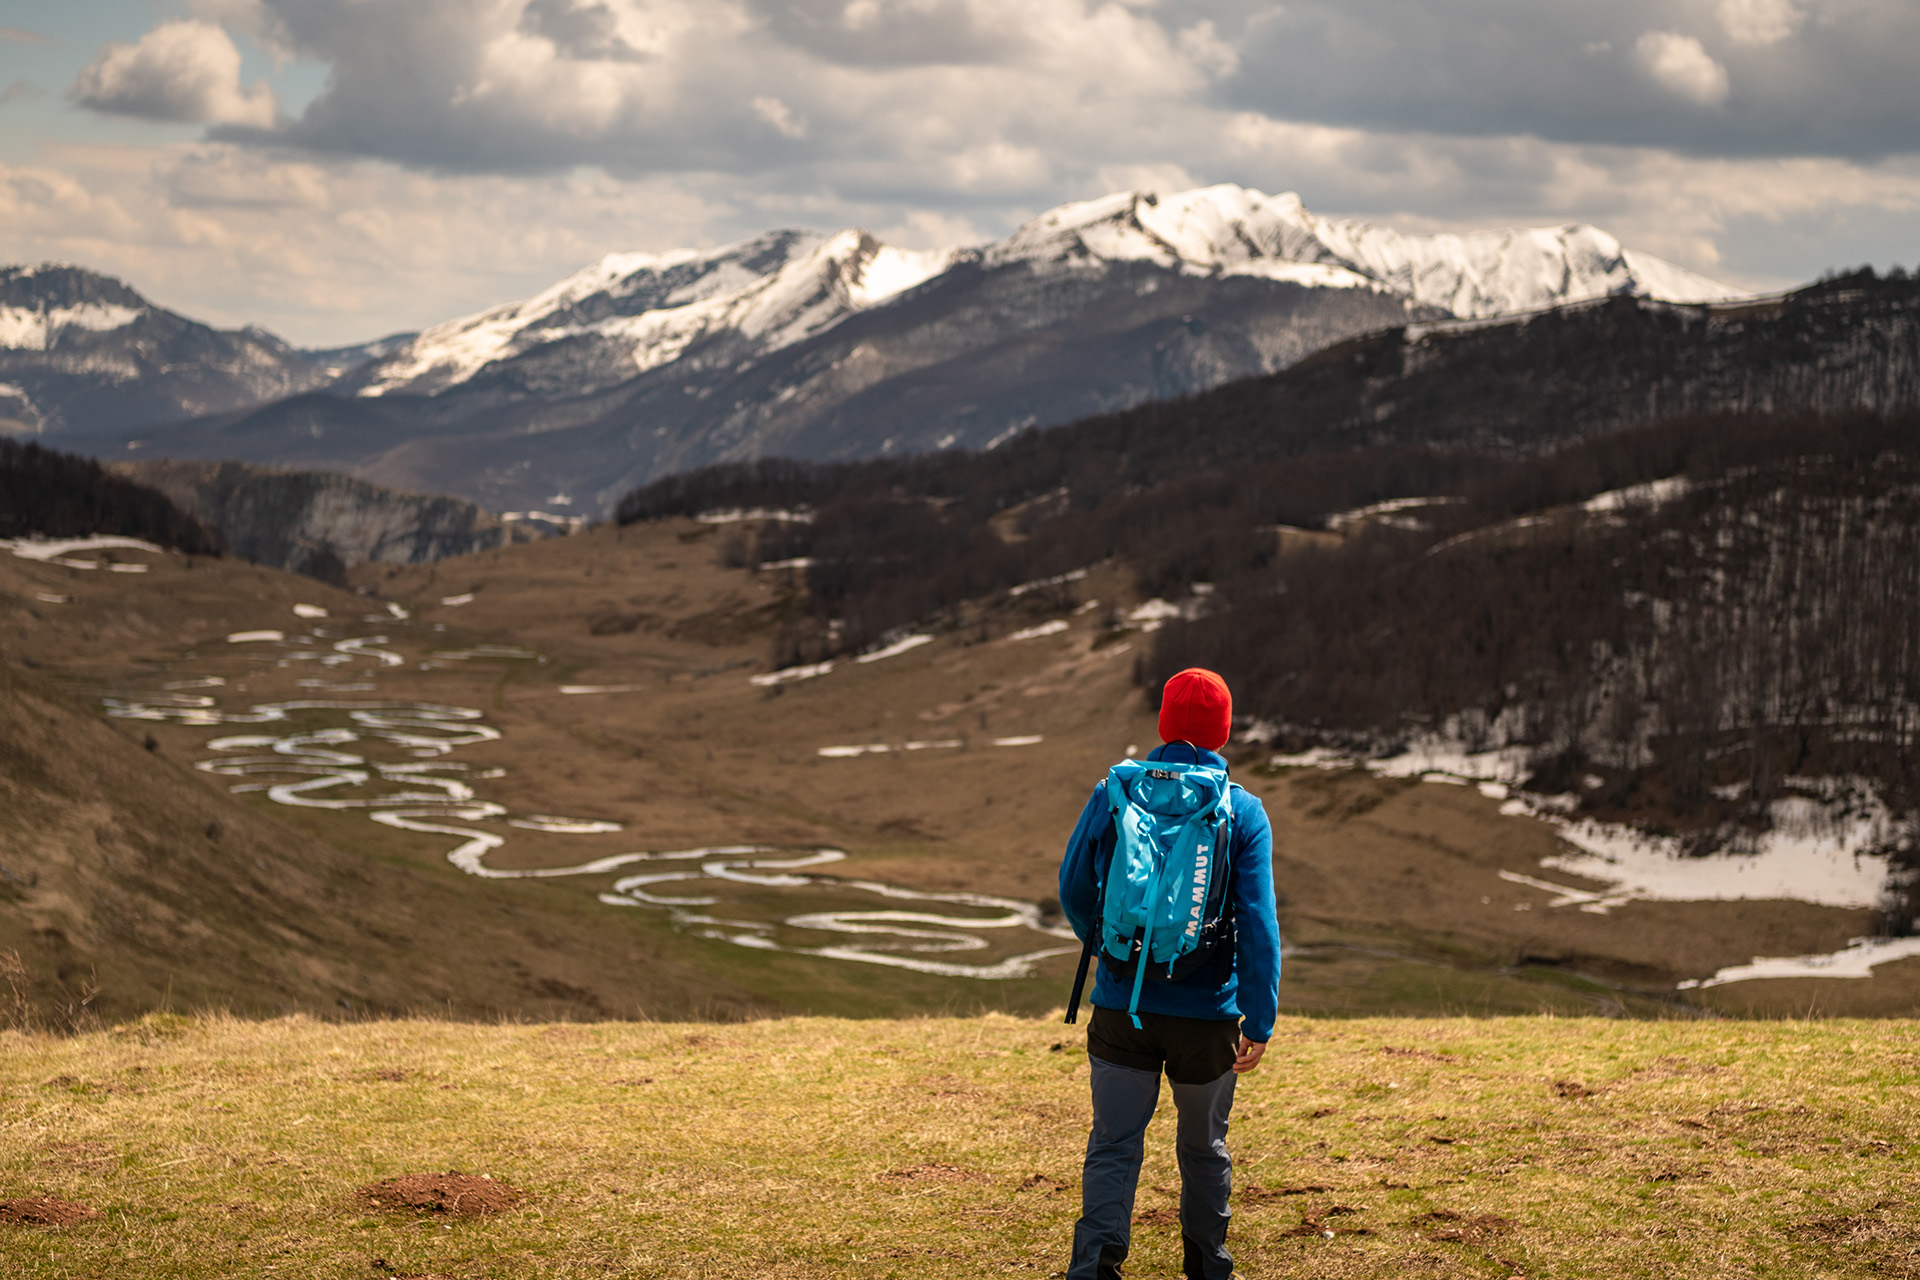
(740, 894)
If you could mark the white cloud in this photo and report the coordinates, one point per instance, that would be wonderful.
(929, 229)
(1759, 22)
(1203, 47)
(469, 151)
(250, 18)
(327, 252)
(1582, 73)
(1682, 66)
(186, 70)
(330, 251)
(731, 85)
(780, 116)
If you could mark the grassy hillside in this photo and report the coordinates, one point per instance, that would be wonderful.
(127, 883)
(1449, 1148)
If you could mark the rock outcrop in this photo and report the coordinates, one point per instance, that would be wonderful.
(322, 523)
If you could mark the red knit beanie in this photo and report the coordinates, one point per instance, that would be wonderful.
(1196, 708)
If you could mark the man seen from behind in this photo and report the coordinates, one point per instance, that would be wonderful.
(1205, 1025)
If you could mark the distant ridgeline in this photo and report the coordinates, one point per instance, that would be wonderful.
(57, 495)
(1689, 644)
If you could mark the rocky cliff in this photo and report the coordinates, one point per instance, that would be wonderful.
(321, 523)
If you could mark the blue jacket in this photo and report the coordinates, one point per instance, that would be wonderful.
(1252, 991)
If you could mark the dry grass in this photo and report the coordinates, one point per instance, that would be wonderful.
(810, 1147)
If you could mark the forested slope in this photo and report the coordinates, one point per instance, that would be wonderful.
(1740, 625)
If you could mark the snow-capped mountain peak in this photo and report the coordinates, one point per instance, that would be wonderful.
(770, 291)
(1231, 230)
(38, 303)
(742, 301)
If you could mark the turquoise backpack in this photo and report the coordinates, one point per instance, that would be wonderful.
(1161, 903)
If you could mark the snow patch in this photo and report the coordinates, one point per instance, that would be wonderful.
(882, 748)
(737, 514)
(1817, 850)
(1855, 960)
(894, 650)
(1389, 508)
(32, 329)
(564, 826)
(785, 674)
(1795, 860)
(1156, 613)
(1057, 580)
(1652, 494)
(485, 651)
(1053, 628)
(60, 550)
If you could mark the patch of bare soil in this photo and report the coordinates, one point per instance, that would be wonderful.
(1325, 1230)
(385, 1268)
(1430, 1055)
(1458, 1228)
(933, 1173)
(45, 1211)
(452, 1192)
(1254, 1194)
(1856, 1228)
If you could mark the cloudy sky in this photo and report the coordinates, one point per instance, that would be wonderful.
(339, 169)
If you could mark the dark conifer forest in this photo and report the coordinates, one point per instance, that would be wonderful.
(54, 494)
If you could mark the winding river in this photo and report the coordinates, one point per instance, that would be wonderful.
(740, 894)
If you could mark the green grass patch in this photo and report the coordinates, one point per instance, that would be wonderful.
(1531, 1146)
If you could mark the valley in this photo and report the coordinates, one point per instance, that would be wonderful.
(556, 779)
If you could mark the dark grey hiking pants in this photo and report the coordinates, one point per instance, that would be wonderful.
(1124, 1099)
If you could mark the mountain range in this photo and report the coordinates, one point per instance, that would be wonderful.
(81, 353)
(801, 345)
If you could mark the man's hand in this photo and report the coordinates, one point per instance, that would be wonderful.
(1248, 1056)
